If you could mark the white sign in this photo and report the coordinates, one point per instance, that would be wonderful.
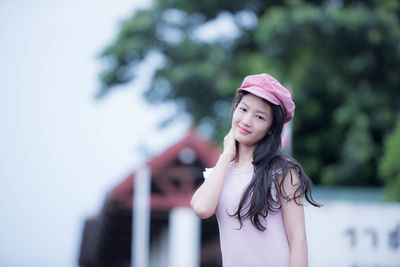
(349, 234)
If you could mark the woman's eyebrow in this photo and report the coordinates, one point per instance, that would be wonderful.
(262, 112)
(242, 102)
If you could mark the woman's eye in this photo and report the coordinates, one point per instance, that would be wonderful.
(259, 117)
(243, 109)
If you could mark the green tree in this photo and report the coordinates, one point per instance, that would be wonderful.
(342, 63)
(389, 168)
(341, 59)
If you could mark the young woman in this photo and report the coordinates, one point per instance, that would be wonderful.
(256, 193)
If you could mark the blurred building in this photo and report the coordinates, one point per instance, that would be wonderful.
(175, 174)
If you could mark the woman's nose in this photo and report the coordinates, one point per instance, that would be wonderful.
(247, 119)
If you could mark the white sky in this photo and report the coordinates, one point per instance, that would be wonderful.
(60, 150)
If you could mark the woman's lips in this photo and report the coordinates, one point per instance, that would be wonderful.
(243, 130)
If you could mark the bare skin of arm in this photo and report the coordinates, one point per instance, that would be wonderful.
(293, 219)
(205, 199)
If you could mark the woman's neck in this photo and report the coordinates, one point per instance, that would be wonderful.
(244, 155)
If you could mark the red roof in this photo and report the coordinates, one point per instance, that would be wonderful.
(167, 165)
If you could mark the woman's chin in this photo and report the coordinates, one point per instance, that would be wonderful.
(243, 140)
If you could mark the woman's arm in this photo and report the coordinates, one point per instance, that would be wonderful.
(293, 219)
(205, 199)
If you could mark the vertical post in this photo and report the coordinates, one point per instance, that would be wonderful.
(287, 138)
(287, 133)
(141, 218)
(184, 238)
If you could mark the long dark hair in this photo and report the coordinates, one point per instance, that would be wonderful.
(257, 200)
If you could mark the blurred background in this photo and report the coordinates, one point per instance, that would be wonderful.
(91, 90)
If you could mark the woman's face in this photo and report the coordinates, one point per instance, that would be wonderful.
(251, 120)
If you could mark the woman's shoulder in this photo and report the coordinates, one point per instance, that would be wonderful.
(283, 163)
(291, 178)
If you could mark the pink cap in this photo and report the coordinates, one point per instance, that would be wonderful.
(268, 88)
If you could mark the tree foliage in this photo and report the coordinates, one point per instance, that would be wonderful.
(389, 167)
(340, 58)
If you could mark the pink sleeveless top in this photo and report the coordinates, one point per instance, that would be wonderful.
(248, 246)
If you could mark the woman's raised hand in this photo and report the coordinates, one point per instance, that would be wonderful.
(230, 145)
